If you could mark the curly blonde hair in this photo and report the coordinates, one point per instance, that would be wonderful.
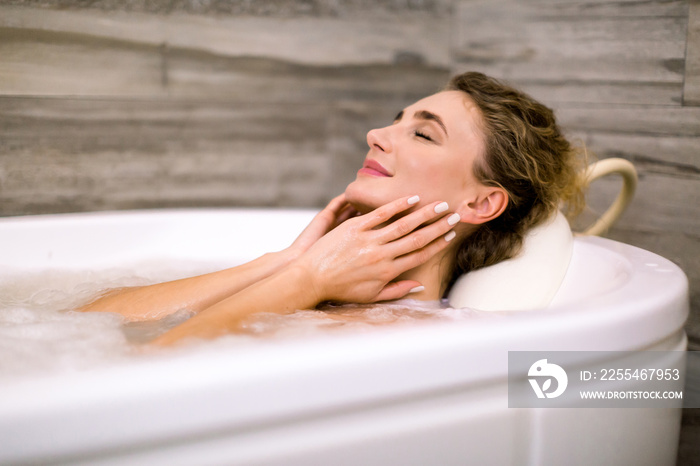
(527, 155)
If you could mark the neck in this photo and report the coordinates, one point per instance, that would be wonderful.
(433, 275)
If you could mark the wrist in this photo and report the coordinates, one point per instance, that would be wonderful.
(281, 259)
(308, 287)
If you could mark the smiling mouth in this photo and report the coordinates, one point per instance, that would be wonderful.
(373, 168)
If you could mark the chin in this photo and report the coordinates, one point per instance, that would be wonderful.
(362, 198)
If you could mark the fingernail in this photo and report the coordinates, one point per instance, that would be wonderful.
(450, 236)
(452, 219)
(417, 289)
(413, 200)
(441, 207)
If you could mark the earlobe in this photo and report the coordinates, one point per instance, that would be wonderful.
(487, 206)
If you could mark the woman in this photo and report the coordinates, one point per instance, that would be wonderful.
(451, 186)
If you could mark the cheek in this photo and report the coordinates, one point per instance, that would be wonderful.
(439, 181)
(425, 169)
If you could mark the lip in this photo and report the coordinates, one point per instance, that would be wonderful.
(374, 168)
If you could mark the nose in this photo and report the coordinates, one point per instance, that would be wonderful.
(380, 138)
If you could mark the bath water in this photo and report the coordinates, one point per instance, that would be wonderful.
(40, 331)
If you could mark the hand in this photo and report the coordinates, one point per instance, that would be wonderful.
(356, 261)
(336, 212)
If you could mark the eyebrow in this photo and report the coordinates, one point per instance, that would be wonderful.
(424, 115)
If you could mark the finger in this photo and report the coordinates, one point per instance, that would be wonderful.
(387, 211)
(410, 222)
(420, 238)
(337, 204)
(396, 290)
(329, 213)
(346, 213)
(420, 256)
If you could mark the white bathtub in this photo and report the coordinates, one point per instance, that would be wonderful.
(429, 394)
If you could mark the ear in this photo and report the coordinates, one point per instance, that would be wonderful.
(489, 203)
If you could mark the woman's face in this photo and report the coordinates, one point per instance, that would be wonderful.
(429, 150)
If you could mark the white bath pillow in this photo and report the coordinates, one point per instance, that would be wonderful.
(528, 281)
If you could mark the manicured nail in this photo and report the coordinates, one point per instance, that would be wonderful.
(417, 289)
(413, 200)
(452, 219)
(441, 207)
(450, 236)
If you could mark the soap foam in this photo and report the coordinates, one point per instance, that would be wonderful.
(41, 332)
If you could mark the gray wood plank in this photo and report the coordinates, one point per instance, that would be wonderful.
(76, 154)
(261, 8)
(60, 64)
(63, 154)
(330, 41)
(662, 202)
(54, 182)
(691, 90)
(586, 51)
(662, 154)
(563, 92)
(641, 120)
(40, 63)
(575, 9)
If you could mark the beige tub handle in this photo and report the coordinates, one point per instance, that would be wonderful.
(629, 185)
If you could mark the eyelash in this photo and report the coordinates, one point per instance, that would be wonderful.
(422, 135)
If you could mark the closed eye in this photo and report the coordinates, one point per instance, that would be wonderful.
(423, 135)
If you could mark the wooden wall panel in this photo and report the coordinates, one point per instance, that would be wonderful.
(45, 63)
(88, 53)
(691, 91)
(365, 35)
(122, 109)
(587, 51)
(73, 154)
(34, 64)
(663, 144)
(101, 154)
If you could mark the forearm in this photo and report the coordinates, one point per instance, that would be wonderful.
(354, 262)
(194, 293)
(282, 292)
